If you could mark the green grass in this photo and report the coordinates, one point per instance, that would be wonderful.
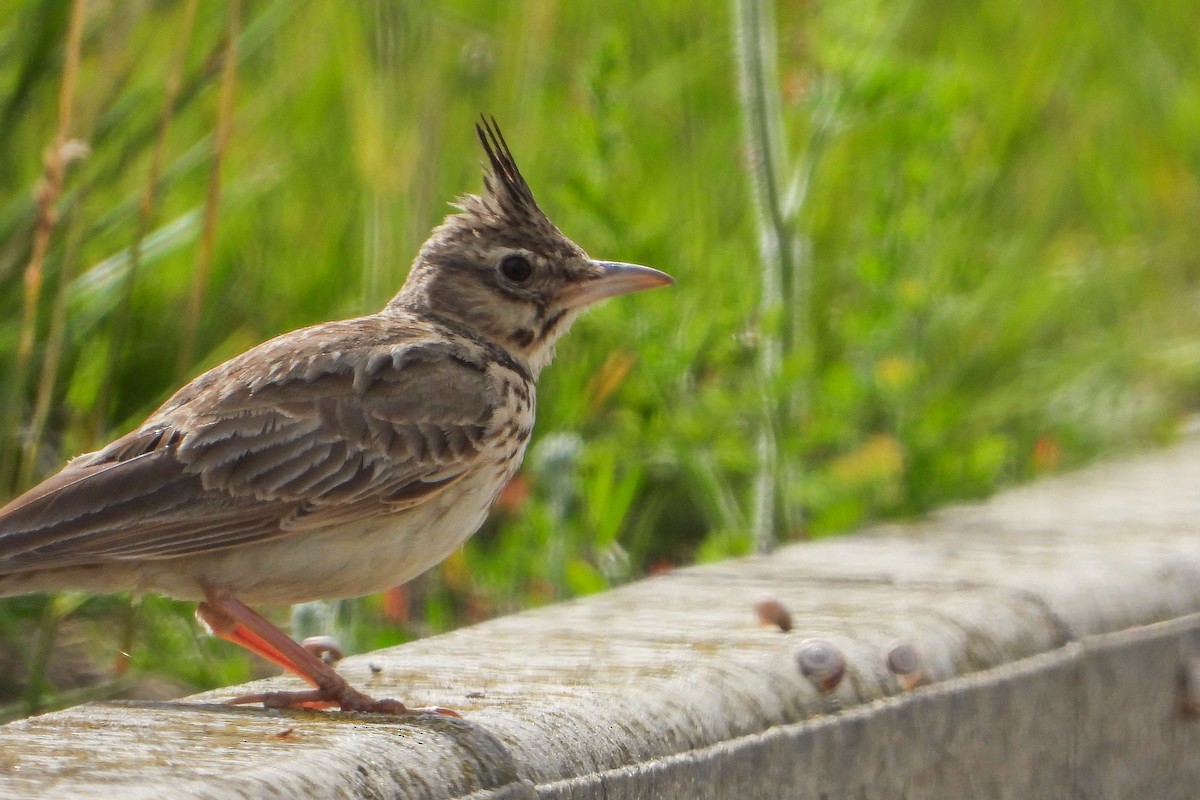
(1001, 226)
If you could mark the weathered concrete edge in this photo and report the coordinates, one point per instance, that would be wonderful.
(779, 761)
(1054, 619)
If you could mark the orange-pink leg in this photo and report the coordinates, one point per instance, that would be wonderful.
(234, 621)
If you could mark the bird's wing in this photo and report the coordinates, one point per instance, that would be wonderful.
(324, 434)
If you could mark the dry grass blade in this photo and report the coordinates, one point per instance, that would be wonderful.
(54, 347)
(60, 152)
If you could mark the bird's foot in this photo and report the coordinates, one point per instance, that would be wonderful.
(231, 619)
(347, 699)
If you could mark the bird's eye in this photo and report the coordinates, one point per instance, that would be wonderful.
(516, 268)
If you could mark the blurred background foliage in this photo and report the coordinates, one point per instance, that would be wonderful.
(1000, 218)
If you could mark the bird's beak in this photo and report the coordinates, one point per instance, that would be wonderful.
(614, 278)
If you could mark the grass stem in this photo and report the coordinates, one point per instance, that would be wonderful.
(755, 42)
(212, 200)
(55, 159)
(146, 209)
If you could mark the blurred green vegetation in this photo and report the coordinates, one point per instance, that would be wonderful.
(1002, 222)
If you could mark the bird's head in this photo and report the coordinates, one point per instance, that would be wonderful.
(500, 269)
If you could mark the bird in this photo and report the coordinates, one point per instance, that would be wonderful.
(336, 460)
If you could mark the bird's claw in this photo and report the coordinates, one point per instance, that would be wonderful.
(439, 710)
(317, 699)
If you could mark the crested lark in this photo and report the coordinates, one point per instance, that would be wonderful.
(332, 461)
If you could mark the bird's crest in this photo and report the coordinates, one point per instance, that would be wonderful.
(506, 196)
(504, 183)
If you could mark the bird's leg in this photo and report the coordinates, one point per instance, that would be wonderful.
(234, 621)
(226, 627)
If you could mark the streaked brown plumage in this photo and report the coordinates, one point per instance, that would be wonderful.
(331, 461)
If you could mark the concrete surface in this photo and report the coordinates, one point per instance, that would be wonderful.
(1053, 623)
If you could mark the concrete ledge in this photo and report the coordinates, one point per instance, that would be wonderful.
(1053, 624)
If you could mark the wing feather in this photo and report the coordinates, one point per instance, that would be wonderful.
(343, 427)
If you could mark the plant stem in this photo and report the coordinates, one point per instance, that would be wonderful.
(55, 338)
(212, 200)
(754, 40)
(146, 209)
(49, 190)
